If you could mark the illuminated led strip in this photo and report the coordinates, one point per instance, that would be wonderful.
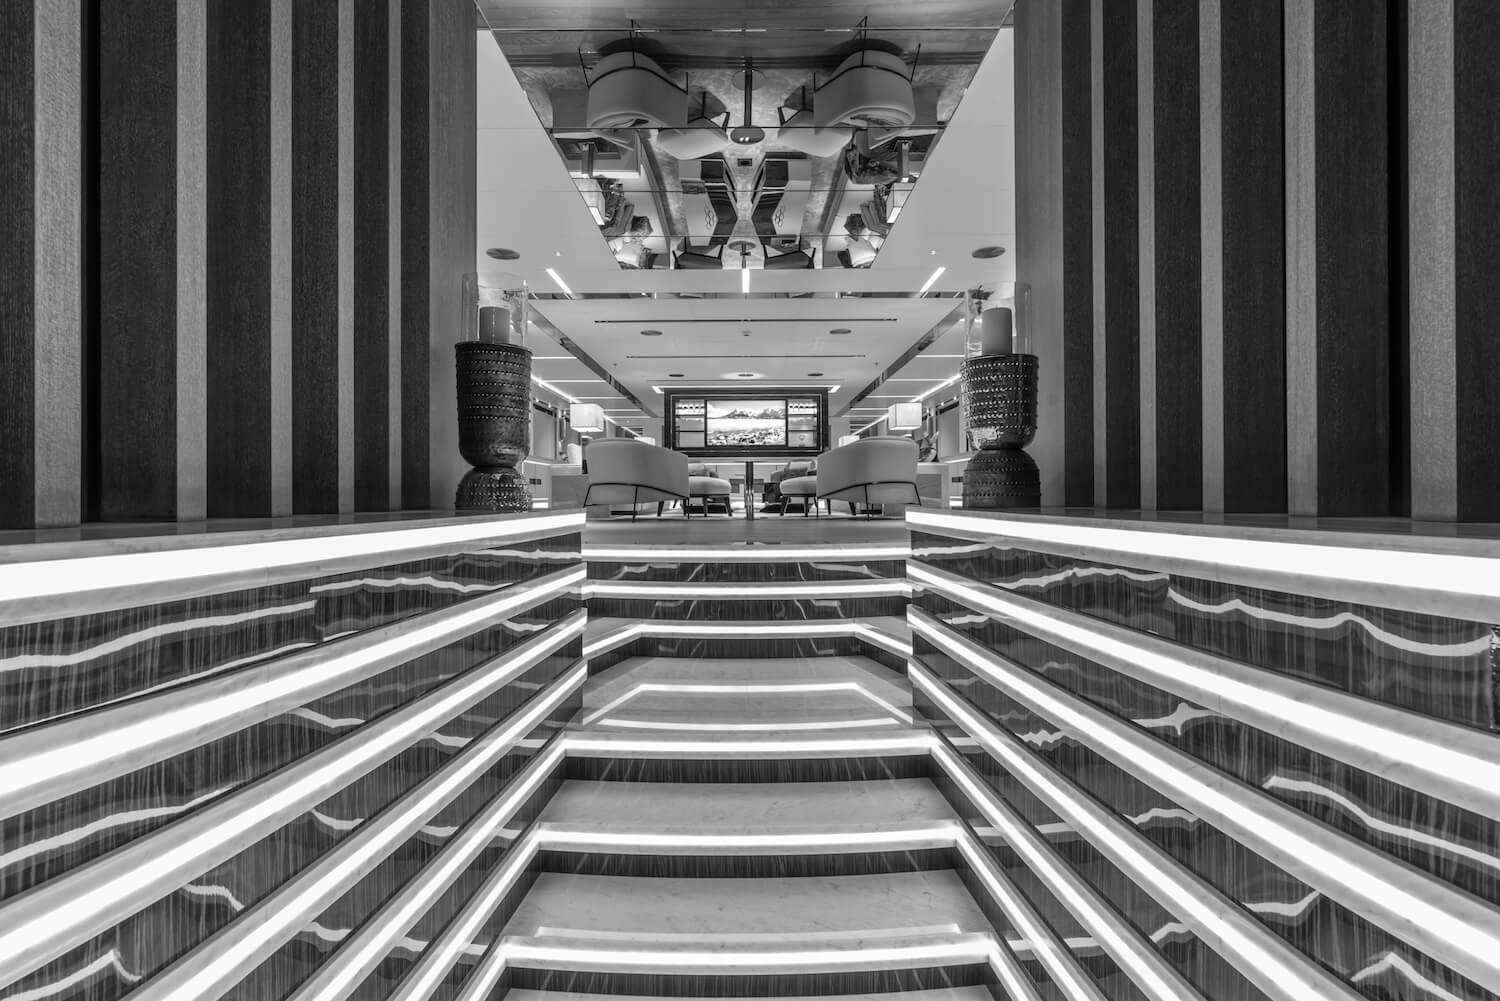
(1447, 584)
(75, 585)
(1453, 928)
(597, 745)
(1450, 762)
(657, 555)
(764, 591)
(44, 923)
(784, 726)
(44, 763)
(343, 972)
(1264, 958)
(1072, 981)
(560, 836)
(974, 947)
(734, 688)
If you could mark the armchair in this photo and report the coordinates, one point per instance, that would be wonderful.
(870, 471)
(626, 471)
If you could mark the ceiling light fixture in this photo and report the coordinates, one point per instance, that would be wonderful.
(569, 292)
(674, 375)
(650, 333)
(503, 254)
(929, 282)
(836, 331)
(988, 253)
(815, 375)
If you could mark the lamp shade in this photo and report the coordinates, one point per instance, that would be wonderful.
(904, 417)
(645, 439)
(847, 439)
(587, 417)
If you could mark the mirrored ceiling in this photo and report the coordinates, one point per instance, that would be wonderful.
(746, 148)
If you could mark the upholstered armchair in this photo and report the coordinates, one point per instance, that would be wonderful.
(629, 90)
(869, 471)
(627, 471)
(870, 89)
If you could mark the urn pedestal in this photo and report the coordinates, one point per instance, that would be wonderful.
(1000, 406)
(494, 425)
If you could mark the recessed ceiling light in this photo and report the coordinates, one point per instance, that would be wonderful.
(674, 375)
(839, 330)
(503, 254)
(650, 333)
(988, 253)
(815, 375)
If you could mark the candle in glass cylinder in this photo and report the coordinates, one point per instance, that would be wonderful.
(996, 330)
(494, 324)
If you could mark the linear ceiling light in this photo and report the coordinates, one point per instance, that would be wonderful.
(920, 292)
(569, 292)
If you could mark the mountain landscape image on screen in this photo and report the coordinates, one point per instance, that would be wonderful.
(746, 422)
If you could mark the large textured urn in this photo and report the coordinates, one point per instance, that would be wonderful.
(494, 412)
(999, 380)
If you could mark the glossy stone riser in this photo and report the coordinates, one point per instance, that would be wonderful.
(710, 609)
(1329, 933)
(1303, 779)
(831, 570)
(839, 646)
(819, 769)
(65, 666)
(701, 985)
(146, 942)
(1388, 655)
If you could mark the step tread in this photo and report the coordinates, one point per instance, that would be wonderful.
(939, 994)
(728, 672)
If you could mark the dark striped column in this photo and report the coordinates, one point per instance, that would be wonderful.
(151, 254)
(1039, 222)
(1077, 225)
(1117, 220)
(40, 232)
(1244, 227)
(1476, 203)
(1338, 264)
(372, 256)
(1174, 270)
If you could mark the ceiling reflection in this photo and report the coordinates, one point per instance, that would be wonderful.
(775, 149)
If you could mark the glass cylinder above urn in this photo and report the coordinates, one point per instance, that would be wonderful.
(494, 393)
(999, 379)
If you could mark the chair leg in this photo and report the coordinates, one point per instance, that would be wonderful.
(782, 512)
(659, 506)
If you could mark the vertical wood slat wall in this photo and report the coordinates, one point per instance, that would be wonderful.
(259, 225)
(1276, 288)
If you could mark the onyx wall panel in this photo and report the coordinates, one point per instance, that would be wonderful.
(1077, 253)
(372, 215)
(417, 93)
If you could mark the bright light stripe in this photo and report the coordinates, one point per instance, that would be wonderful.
(787, 726)
(439, 958)
(107, 822)
(33, 590)
(1455, 929)
(943, 834)
(873, 587)
(931, 281)
(345, 970)
(1447, 584)
(1454, 763)
(111, 960)
(552, 273)
(594, 745)
(865, 631)
(773, 937)
(974, 947)
(1260, 956)
(942, 385)
(802, 629)
(44, 923)
(661, 555)
(47, 762)
(734, 688)
(1017, 982)
(744, 281)
(1071, 979)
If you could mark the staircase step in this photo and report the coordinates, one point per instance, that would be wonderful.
(642, 925)
(938, 994)
(770, 682)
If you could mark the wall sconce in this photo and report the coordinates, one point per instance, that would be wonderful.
(904, 417)
(586, 417)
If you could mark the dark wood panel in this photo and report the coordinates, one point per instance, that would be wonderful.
(137, 234)
(1476, 39)
(372, 356)
(17, 256)
(1254, 184)
(1179, 274)
(417, 137)
(739, 13)
(315, 257)
(1078, 255)
(1122, 256)
(1353, 262)
(239, 259)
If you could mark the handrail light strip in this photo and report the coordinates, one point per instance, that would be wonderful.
(1281, 972)
(1452, 927)
(44, 763)
(760, 590)
(1449, 762)
(38, 585)
(44, 923)
(1444, 581)
(352, 962)
(656, 555)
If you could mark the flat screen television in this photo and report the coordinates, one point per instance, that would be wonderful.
(747, 423)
